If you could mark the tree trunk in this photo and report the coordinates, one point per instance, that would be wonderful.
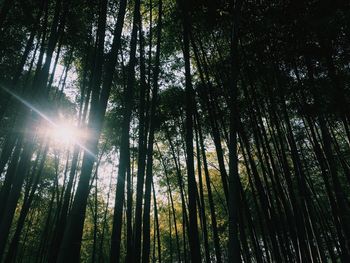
(189, 99)
(124, 141)
(70, 248)
(233, 207)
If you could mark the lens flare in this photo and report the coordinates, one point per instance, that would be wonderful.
(64, 133)
(60, 132)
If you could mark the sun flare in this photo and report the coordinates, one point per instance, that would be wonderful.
(64, 134)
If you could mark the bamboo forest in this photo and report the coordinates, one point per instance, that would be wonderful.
(174, 131)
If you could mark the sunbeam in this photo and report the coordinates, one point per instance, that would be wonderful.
(59, 131)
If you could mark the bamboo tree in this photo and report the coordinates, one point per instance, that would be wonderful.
(192, 187)
(233, 204)
(74, 228)
(142, 149)
(124, 140)
(173, 211)
(150, 150)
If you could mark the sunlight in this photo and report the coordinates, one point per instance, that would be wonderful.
(62, 132)
(65, 134)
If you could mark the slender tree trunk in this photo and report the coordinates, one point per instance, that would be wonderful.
(142, 149)
(201, 194)
(233, 244)
(149, 170)
(129, 208)
(159, 248)
(25, 209)
(70, 248)
(210, 195)
(62, 218)
(189, 99)
(124, 141)
(172, 204)
(9, 178)
(14, 195)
